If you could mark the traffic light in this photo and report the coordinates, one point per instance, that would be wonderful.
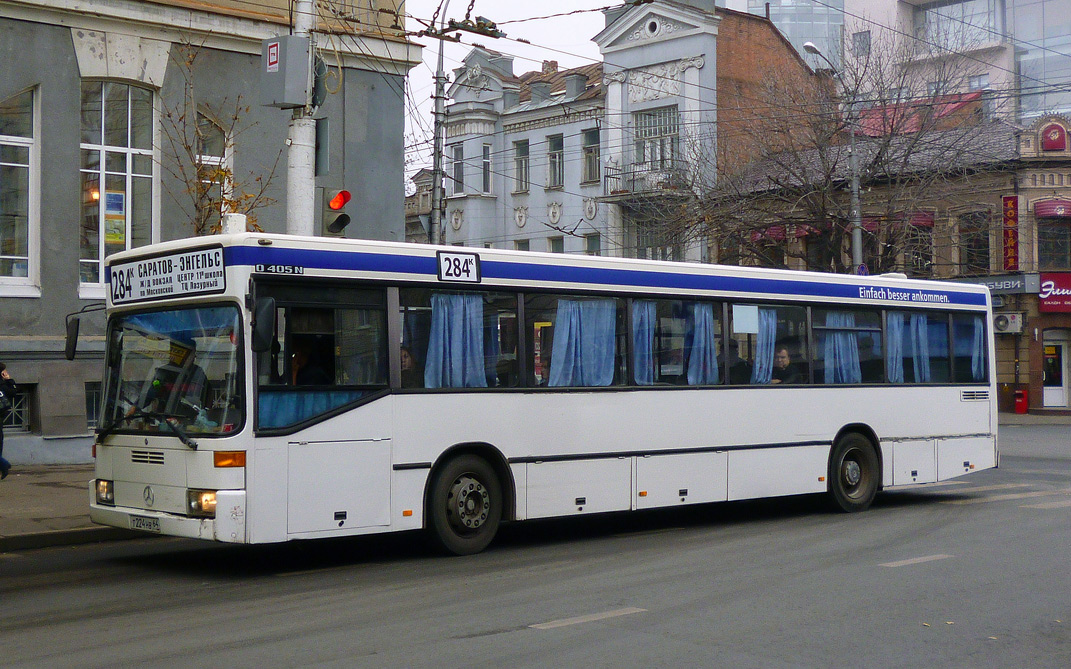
(335, 219)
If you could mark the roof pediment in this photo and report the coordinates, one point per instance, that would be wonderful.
(650, 24)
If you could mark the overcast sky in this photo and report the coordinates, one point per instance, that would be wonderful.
(566, 39)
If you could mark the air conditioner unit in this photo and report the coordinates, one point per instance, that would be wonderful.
(1009, 322)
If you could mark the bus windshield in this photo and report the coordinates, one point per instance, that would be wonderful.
(177, 368)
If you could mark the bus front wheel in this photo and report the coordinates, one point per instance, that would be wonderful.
(853, 473)
(465, 505)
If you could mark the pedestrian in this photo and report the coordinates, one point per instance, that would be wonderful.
(7, 402)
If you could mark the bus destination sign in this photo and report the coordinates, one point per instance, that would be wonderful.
(180, 275)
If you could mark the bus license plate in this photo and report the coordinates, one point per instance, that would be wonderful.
(145, 524)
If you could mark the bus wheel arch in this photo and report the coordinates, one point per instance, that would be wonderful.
(855, 468)
(469, 492)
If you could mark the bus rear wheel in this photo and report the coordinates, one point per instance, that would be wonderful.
(853, 473)
(465, 505)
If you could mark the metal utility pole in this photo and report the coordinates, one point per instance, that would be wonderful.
(435, 234)
(301, 156)
(479, 26)
(855, 218)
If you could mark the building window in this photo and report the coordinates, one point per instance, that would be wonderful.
(591, 155)
(974, 243)
(117, 172)
(457, 170)
(593, 244)
(861, 44)
(486, 168)
(18, 158)
(521, 245)
(92, 404)
(18, 419)
(520, 166)
(933, 88)
(556, 244)
(1054, 243)
(215, 161)
(978, 82)
(555, 161)
(918, 251)
(657, 137)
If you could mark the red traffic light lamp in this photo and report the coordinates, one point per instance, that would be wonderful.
(335, 219)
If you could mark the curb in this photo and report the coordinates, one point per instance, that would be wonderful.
(85, 535)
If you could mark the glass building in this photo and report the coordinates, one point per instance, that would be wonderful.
(806, 21)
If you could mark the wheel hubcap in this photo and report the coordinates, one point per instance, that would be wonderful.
(469, 503)
(853, 473)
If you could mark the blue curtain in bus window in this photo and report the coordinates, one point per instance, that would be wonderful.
(978, 350)
(894, 346)
(284, 408)
(920, 348)
(702, 350)
(762, 372)
(841, 349)
(583, 351)
(455, 346)
(643, 333)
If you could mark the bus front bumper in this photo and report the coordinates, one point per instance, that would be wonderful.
(227, 526)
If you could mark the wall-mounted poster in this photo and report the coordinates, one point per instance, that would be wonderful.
(115, 217)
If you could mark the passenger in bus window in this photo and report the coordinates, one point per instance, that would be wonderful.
(305, 370)
(739, 369)
(411, 378)
(783, 370)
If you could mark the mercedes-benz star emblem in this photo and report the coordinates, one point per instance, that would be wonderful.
(149, 496)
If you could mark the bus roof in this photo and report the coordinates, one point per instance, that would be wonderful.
(422, 263)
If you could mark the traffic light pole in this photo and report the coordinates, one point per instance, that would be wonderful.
(301, 140)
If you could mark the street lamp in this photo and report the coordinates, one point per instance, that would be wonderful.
(853, 214)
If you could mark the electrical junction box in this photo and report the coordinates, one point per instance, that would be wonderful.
(1008, 322)
(284, 71)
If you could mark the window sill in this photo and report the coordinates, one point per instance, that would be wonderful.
(554, 188)
(91, 291)
(591, 182)
(519, 192)
(19, 290)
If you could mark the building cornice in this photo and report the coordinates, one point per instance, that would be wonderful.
(552, 116)
(208, 26)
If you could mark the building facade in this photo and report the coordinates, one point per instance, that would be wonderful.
(118, 121)
(608, 158)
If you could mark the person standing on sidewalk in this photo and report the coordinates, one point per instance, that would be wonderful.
(7, 401)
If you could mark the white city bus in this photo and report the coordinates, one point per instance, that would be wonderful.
(265, 388)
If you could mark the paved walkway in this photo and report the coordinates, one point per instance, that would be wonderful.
(48, 505)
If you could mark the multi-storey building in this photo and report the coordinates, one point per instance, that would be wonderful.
(117, 120)
(607, 158)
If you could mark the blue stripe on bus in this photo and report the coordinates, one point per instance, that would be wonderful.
(386, 262)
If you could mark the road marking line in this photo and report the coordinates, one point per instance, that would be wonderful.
(918, 560)
(586, 619)
(1048, 505)
(1004, 498)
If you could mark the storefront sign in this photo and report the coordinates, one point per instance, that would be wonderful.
(1011, 232)
(1007, 284)
(1055, 292)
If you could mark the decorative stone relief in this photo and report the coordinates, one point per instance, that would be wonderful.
(659, 81)
(456, 218)
(656, 26)
(520, 216)
(554, 212)
(476, 80)
(591, 208)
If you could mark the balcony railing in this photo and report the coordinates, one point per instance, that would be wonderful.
(638, 179)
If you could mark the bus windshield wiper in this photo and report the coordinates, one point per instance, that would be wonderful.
(153, 415)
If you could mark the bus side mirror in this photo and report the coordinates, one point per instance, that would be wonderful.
(263, 324)
(71, 345)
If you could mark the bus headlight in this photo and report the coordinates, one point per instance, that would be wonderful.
(105, 492)
(201, 503)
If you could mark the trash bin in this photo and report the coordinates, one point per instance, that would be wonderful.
(1021, 404)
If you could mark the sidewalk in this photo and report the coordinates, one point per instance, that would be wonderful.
(48, 505)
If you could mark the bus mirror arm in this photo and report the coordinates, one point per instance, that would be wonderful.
(263, 324)
(71, 344)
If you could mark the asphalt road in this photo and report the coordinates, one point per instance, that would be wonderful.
(974, 573)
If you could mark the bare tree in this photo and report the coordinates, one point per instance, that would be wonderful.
(201, 137)
(782, 194)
